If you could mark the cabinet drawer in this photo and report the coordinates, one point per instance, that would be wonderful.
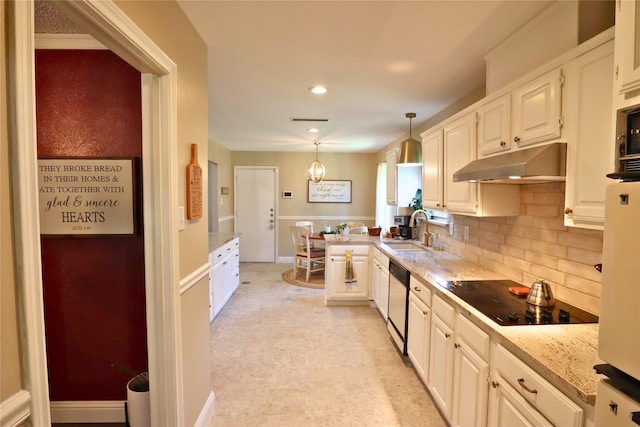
(341, 250)
(217, 255)
(443, 310)
(547, 399)
(422, 291)
(473, 336)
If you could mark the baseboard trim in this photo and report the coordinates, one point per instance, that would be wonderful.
(87, 411)
(208, 411)
(15, 409)
(284, 260)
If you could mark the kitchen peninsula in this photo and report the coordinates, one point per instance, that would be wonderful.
(558, 359)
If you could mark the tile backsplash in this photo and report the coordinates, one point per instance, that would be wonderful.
(534, 245)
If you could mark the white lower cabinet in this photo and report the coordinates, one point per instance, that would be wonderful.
(336, 287)
(224, 276)
(521, 397)
(458, 366)
(470, 375)
(380, 281)
(419, 329)
(441, 355)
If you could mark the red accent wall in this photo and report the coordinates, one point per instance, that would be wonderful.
(89, 105)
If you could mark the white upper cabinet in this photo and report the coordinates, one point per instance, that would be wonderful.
(494, 126)
(589, 130)
(627, 69)
(459, 150)
(392, 186)
(432, 172)
(537, 109)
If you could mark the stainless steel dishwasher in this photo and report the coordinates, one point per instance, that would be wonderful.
(398, 302)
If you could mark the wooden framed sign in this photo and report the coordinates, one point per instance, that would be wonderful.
(329, 192)
(86, 196)
(194, 186)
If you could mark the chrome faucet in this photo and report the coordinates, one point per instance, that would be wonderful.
(426, 224)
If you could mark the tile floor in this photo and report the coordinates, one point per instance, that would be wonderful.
(281, 357)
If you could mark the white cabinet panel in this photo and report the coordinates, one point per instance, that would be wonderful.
(418, 335)
(494, 126)
(537, 109)
(628, 45)
(460, 149)
(590, 148)
(508, 409)
(335, 272)
(224, 276)
(432, 171)
(441, 365)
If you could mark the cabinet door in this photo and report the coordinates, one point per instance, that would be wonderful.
(508, 409)
(375, 279)
(536, 109)
(470, 388)
(384, 291)
(432, 171)
(392, 186)
(441, 365)
(336, 271)
(217, 273)
(418, 335)
(494, 126)
(590, 149)
(628, 45)
(460, 149)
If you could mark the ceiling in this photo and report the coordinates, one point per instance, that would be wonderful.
(378, 59)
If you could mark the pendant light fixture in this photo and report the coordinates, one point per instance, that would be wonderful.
(410, 149)
(316, 169)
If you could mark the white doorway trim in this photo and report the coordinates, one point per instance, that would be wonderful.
(113, 28)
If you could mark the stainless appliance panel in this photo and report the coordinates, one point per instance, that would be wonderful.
(398, 300)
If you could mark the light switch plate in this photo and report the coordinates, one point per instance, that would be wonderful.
(466, 232)
(181, 223)
(451, 228)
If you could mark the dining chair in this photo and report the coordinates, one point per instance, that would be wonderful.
(358, 230)
(305, 255)
(309, 225)
(305, 224)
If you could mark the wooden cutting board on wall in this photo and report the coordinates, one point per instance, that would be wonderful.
(194, 186)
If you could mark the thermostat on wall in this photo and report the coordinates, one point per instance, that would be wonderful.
(287, 194)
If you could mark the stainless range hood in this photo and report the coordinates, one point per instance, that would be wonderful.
(545, 163)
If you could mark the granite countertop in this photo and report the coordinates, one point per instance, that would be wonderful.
(218, 239)
(563, 354)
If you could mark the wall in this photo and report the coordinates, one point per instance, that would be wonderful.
(222, 157)
(10, 369)
(534, 245)
(359, 168)
(165, 23)
(89, 105)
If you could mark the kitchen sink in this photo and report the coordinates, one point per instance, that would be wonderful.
(403, 247)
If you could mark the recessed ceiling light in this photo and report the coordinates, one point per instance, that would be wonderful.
(313, 130)
(318, 90)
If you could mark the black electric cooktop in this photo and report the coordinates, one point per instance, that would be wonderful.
(493, 299)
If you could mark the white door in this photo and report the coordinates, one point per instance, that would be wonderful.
(255, 201)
